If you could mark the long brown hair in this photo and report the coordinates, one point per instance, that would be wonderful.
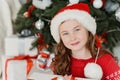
(62, 61)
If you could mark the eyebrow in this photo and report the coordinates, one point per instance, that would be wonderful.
(63, 32)
(73, 28)
(76, 26)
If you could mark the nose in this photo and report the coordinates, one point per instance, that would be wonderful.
(72, 37)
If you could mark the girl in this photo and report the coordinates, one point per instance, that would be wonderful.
(74, 30)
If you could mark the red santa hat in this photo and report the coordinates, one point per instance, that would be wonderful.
(79, 12)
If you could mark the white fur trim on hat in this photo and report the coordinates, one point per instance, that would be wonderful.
(81, 16)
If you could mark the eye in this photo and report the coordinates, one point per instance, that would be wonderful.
(65, 33)
(77, 29)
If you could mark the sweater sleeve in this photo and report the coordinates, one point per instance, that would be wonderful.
(110, 67)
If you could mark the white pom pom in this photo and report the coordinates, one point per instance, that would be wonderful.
(93, 71)
(73, 1)
(41, 4)
(97, 3)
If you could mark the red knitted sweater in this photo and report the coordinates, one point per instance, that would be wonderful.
(111, 70)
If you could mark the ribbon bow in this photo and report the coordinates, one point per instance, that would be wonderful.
(27, 58)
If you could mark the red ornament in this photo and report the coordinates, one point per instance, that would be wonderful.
(41, 42)
(100, 39)
(27, 1)
(103, 37)
(98, 42)
(29, 11)
(31, 8)
(40, 39)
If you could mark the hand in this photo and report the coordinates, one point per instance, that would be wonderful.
(67, 77)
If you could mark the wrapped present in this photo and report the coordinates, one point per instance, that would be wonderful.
(71, 78)
(44, 60)
(15, 46)
(58, 78)
(50, 76)
(16, 68)
(42, 75)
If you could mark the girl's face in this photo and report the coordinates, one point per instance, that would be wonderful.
(73, 34)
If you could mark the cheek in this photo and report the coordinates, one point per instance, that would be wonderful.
(66, 44)
(83, 36)
(65, 38)
(65, 41)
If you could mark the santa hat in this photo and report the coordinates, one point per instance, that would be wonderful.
(79, 12)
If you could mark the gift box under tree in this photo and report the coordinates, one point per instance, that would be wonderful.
(15, 46)
(17, 67)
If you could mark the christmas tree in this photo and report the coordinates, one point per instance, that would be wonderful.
(35, 15)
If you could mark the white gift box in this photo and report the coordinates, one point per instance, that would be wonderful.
(49, 76)
(42, 75)
(14, 69)
(15, 46)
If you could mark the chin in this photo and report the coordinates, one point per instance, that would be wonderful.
(75, 48)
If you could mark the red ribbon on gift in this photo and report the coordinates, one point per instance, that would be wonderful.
(26, 57)
(55, 78)
(44, 55)
(42, 66)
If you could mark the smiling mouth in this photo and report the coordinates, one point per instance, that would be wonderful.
(73, 44)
